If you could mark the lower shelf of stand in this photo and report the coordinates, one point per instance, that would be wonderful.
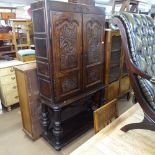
(72, 128)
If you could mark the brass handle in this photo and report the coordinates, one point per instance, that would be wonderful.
(14, 87)
(12, 69)
(12, 78)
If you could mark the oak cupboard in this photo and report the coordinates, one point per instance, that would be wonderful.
(116, 76)
(28, 89)
(69, 42)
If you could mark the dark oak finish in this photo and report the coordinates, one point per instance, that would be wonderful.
(116, 77)
(69, 43)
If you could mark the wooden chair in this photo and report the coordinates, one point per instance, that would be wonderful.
(104, 115)
(137, 33)
(126, 5)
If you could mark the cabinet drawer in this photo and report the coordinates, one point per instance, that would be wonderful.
(11, 98)
(9, 88)
(7, 71)
(8, 79)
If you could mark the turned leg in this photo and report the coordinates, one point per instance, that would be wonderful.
(45, 119)
(57, 129)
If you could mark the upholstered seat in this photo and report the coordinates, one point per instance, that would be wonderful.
(138, 37)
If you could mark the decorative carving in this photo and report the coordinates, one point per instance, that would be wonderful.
(69, 84)
(68, 40)
(94, 33)
(93, 76)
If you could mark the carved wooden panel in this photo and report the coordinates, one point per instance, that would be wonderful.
(93, 36)
(93, 75)
(67, 53)
(68, 83)
(45, 89)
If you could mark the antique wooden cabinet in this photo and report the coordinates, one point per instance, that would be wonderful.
(8, 85)
(116, 77)
(27, 84)
(69, 41)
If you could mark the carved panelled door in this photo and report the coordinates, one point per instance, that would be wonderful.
(93, 37)
(67, 48)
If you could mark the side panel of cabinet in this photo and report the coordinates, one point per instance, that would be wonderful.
(67, 48)
(93, 36)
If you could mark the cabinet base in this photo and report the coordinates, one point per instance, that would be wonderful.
(72, 128)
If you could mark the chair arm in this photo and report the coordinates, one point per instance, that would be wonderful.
(139, 72)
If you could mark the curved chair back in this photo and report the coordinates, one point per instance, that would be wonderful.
(138, 38)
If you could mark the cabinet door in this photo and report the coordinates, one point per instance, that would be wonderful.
(93, 36)
(67, 47)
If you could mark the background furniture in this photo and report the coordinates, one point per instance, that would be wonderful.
(26, 55)
(8, 85)
(24, 29)
(112, 141)
(70, 71)
(116, 76)
(137, 32)
(105, 115)
(128, 5)
(28, 89)
(6, 45)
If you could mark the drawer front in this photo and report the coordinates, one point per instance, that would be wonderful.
(8, 79)
(11, 98)
(7, 71)
(9, 88)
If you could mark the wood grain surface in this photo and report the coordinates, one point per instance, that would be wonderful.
(112, 141)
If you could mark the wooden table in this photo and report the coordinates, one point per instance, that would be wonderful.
(112, 141)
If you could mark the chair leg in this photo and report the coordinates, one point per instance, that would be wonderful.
(145, 124)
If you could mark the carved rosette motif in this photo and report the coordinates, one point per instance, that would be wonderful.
(94, 32)
(93, 76)
(69, 84)
(68, 41)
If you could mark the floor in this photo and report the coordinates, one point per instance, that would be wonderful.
(113, 141)
(13, 140)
